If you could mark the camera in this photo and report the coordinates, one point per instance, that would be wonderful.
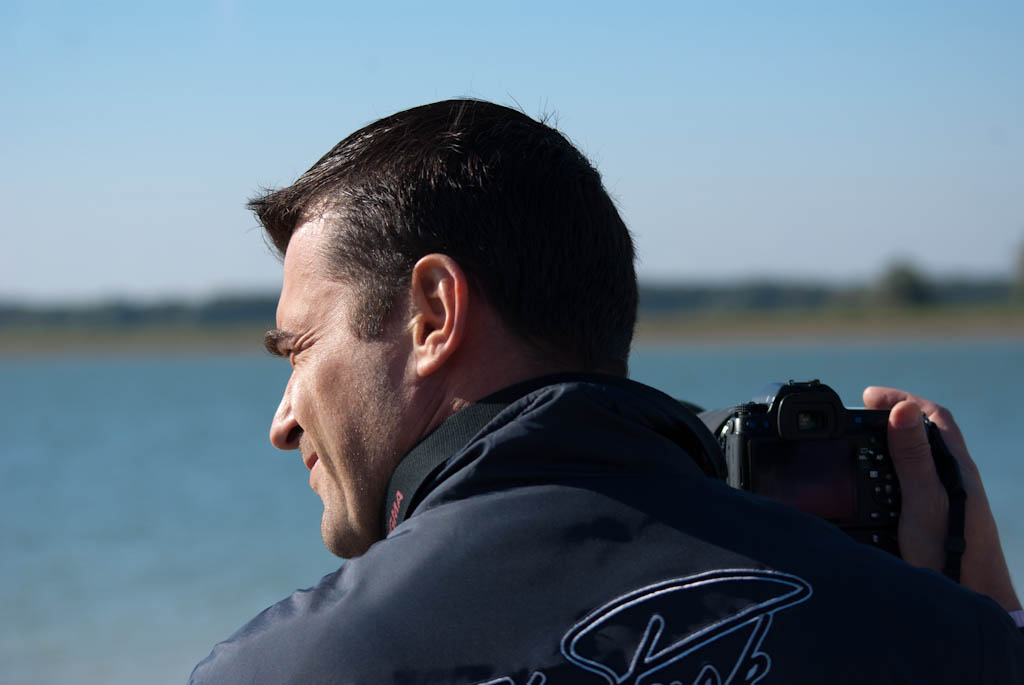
(797, 444)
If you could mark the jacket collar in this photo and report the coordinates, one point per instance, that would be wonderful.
(450, 436)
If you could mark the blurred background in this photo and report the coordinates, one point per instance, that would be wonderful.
(816, 189)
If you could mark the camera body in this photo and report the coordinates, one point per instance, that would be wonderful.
(797, 444)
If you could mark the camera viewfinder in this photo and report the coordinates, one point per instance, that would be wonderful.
(810, 421)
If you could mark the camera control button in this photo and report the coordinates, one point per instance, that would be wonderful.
(873, 474)
(882, 497)
(875, 516)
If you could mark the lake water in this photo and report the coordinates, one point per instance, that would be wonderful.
(144, 516)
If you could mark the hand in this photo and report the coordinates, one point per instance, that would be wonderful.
(925, 506)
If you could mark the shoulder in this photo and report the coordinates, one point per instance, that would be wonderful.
(285, 643)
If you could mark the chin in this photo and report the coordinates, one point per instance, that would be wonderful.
(343, 540)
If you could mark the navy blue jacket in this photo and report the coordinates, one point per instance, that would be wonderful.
(572, 540)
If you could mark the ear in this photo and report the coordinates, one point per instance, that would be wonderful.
(439, 301)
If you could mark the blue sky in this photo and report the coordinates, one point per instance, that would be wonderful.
(785, 139)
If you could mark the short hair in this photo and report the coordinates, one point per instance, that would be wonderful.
(510, 199)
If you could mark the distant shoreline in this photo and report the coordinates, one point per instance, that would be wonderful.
(786, 326)
(821, 326)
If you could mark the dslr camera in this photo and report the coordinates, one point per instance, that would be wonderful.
(797, 444)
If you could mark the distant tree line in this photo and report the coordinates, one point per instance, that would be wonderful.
(901, 285)
(221, 311)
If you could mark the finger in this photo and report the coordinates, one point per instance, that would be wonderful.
(951, 434)
(881, 397)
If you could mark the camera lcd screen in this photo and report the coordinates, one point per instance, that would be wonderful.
(815, 476)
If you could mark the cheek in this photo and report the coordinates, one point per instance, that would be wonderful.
(328, 394)
(304, 397)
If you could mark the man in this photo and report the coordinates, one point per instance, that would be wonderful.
(457, 306)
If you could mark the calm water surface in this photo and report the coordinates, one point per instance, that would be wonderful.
(144, 516)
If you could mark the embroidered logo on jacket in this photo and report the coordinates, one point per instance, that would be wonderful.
(394, 510)
(706, 629)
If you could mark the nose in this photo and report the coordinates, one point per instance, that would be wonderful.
(285, 430)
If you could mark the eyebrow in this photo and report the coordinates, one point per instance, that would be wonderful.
(274, 339)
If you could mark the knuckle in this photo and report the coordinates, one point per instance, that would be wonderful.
(914, 463)
(916, 453)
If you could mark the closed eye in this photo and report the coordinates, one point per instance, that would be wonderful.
(279, 343)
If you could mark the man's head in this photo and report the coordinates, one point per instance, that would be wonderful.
(508, 198)
(430, 258)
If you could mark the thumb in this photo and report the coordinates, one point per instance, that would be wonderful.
(925, 505)
(908, 444)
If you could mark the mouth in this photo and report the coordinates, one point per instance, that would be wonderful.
(310, 460)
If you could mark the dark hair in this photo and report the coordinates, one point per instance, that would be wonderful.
(511, 200)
